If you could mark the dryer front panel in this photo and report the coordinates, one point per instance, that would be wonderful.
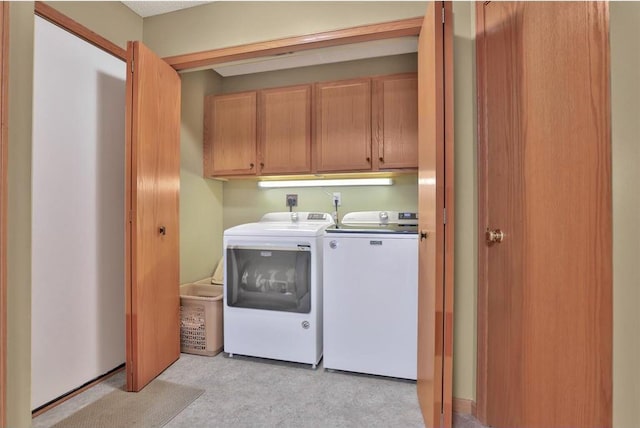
(275, 279)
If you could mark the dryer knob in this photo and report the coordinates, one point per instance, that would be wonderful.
(333, 244)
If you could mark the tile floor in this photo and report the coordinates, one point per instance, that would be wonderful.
(248, 392)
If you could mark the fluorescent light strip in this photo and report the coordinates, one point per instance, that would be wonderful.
(326, 183)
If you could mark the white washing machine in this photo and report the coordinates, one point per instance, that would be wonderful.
(273, 287)
(371, 294)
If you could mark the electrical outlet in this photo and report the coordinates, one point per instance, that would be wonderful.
(292, 200)
(337, 196)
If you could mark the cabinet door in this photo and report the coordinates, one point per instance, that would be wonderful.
(230, 134)
(343, 125)
(395, 121)
(284, 118)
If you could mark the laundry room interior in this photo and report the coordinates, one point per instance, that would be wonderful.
(235, 200)
(215, 203)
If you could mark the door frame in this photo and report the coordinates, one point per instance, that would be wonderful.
(47, 12)
(363, 33)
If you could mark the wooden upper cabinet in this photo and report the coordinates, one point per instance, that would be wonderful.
(230, 134)
(284, 130)
(270, 131)
(395, 121)
(343, 125)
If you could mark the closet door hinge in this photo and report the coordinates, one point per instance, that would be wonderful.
(443, 15)
(444, 216)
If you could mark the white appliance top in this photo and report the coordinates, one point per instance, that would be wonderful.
(281, 224)
(377, 222)
(378, 218)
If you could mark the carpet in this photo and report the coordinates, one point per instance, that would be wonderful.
(154, 406)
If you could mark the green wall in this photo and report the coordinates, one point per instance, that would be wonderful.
(465, 246)
(625, 121)
(19, 216)
(229, 23)
(245, 203)
(200, 199)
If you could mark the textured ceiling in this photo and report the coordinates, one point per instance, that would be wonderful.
(151, 8)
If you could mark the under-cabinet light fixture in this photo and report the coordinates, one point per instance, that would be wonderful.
(326, 183)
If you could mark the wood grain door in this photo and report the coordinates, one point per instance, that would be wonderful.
(395, 121)
(230, 139)
(284, 130)
(435, 195)
(545, 291)
(343, 125)
(153, 185)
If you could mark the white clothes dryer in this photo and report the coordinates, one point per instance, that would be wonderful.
(273, 287)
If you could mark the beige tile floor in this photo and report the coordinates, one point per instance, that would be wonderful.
(248, 392)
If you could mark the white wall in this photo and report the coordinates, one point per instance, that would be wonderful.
(78, 330)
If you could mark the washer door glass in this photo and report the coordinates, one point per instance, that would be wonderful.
(271, 279)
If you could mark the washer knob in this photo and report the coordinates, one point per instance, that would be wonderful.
(333, 245)
(384, 217)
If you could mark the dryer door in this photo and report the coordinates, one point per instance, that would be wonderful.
(276, 279)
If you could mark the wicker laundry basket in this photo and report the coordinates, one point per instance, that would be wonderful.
(201, 318)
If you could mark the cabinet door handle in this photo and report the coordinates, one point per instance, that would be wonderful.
(381, 159)
(368, 160)
(251, 165)
(261, 164)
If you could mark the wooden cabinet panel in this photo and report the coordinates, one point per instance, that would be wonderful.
(284, 126)
(343, 125)
(230, 134)
(270, 131)
(395, 121)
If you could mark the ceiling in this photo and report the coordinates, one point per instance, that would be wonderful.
(152, 8)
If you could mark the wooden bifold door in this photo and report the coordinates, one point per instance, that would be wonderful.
(153, 186)
(435, 200)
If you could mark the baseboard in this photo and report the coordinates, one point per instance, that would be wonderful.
(463, 405)
(50, 405)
